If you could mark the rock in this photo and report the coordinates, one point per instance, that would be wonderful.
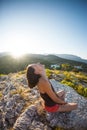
(24, 81)
(31, 120)
(25, 119)
(2, 85)
(3, 77)
(10, 109)
(76, 119)
(8, 88)
(14, 115)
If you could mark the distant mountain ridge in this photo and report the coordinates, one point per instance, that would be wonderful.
(4, 53)
(64, 56)
(71, 57)
(10, 64)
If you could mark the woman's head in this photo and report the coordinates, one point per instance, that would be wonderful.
(34, 72)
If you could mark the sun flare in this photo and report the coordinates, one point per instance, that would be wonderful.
(17, 54)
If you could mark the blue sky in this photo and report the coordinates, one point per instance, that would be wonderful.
(44, 26)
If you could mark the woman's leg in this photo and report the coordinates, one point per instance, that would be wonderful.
(67, 107)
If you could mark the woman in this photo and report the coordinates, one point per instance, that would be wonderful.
(53, 101)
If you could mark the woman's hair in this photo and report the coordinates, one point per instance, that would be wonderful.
(32, 78)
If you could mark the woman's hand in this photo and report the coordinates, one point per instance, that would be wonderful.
(60, 93)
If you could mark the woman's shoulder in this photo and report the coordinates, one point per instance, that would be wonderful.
(43, 80)
(42, 85)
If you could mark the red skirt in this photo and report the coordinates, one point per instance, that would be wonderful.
(52, 109)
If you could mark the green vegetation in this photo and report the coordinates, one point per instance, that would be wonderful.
(9, 64)
(1, 95)
(75, 80)
(49, 72)
(68, 74)
(66, 66)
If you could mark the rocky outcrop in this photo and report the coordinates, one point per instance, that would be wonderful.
(76, 119)
(14, 114)
(10, 109)
(31, 120)
(11, 105)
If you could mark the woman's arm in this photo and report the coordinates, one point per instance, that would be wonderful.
(47, 89)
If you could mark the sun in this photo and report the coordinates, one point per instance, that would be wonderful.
(17, 54)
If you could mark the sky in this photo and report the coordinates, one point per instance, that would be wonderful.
(44, 27)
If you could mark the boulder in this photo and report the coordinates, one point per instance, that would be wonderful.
(74, 120)
(10, 108)
(30, 119)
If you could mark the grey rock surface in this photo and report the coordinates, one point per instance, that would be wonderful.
(76, 119)
(11, 106)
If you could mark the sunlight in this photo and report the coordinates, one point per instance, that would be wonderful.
(17, 54)
(22, 42)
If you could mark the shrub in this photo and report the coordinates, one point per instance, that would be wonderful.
(1, 95)
(68, 83)
(85, 92)
(80, 89)
(48, 72)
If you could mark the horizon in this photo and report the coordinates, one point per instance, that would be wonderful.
(20, 55)
(44, 27)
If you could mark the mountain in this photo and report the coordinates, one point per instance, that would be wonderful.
(10, 64)
(72, 57)
(4, 53)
